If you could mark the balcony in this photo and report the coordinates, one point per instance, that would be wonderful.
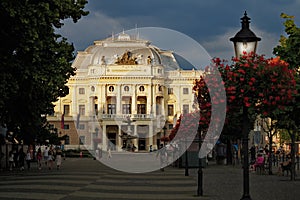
(124, 116)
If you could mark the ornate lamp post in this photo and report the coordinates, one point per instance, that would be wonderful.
(200, 171)
(245, 41)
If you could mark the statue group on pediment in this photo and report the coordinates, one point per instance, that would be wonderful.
(127, 59)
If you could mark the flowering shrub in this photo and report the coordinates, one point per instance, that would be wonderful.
(262, 85)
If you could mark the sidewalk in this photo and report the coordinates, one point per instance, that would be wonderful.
(85, 178)
(226, 183)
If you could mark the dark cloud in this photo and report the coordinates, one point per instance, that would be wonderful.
(208, 22)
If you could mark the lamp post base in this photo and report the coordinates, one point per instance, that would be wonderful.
(246, 197)
(200, 182)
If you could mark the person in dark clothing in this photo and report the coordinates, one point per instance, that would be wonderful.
(253, 154)
(21, 158)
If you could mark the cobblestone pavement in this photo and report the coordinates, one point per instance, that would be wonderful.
(85, 178)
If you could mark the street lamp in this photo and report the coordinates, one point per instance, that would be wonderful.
(200, 171)
(245, 41)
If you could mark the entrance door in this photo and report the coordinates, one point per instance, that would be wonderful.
(112, 139)
(142, 144)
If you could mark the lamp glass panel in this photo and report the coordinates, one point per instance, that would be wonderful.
(247, 47)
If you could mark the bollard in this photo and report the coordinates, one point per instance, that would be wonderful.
(80, 154)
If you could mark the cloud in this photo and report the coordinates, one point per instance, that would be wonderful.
(93, 27)
(208, 22)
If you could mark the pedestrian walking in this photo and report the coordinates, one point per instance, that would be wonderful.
(11, 160)
(21, 158)
(28, 159)
(46, 155)
(39, 158)
(16, 157)
(109, 152)
(58, 158)
(50, 158)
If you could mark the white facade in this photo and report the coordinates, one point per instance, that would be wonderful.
(119, 78)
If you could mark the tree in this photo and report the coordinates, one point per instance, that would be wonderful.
(35, 62)
(248, 87)
(288, 50)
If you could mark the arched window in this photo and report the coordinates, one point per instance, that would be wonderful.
(126, 88)
(93, 89)
(160, 88)
(142, 88)
(111, 88)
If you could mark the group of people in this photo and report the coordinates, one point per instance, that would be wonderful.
(49, 156)
(260, 158)
(18, 159)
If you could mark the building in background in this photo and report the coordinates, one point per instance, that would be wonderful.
(119, 79)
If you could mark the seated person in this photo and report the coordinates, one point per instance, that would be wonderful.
(260, 160)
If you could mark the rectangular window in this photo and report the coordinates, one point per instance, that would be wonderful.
(185, 109)
(96, 109)
(82, 110)
(111, 109)
(81, 139)
(51, 126)
(66, 126)
(170, 126)
(170, 90)
(67, 109)
(81, 91)
(158, 109)
(126, 108)
(81, 127)
(170, 110)
(141, 109)
(185, 90)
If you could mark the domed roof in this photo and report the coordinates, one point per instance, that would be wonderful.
(112, 50)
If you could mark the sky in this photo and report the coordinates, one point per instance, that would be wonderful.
(208, 22)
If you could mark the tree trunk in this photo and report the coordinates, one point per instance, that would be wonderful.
(270, 153)
(293, 155)
(245, 132)
(229, 152)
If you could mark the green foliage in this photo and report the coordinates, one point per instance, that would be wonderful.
(35, 62)
(288, 50)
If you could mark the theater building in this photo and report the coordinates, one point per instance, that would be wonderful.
(123, 87)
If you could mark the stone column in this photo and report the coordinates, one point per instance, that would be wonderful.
(153, 99)
(119, 139)
(104, 138)
(91, 106)
(119, 100)
(134, 99)
(150, 136)
(149, 91)
(135, 141)
(74, 102)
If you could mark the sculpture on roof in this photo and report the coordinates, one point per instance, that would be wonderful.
(127, 59)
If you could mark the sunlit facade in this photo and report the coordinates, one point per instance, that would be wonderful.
(123, 78)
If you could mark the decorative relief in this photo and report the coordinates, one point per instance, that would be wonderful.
(126, 59)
